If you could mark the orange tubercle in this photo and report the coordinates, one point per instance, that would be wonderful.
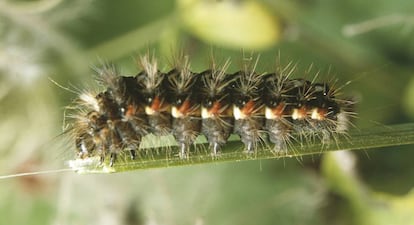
(318, 114)
(299, 114)
(215, 110)
(185, 107)
(156, 104)
(248, 108)
(130, 111)
(279, 110)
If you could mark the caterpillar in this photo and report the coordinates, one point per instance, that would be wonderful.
(272, 109)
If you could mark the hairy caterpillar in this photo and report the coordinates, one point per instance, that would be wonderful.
(261, 108)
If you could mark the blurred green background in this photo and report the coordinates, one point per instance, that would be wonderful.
(368, 43)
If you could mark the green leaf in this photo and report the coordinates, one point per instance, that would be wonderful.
(234, 24)
(375, 137)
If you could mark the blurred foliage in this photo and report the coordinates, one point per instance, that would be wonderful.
(369, 43)
(366, 206)
(246, 24)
